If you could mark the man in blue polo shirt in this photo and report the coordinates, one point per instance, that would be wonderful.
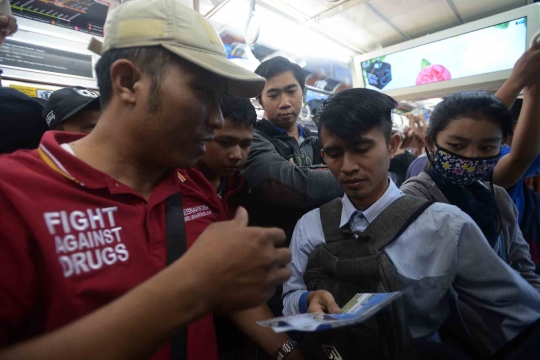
(279, 168)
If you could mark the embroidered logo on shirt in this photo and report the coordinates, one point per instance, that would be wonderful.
(86, 240)
(196, 212)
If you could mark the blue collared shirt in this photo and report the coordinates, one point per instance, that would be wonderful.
(301, 136)
(516, 192)
(441, 255)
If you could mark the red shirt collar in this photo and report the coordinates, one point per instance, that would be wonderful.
(76, 170)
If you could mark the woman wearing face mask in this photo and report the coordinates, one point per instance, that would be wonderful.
(463, 141)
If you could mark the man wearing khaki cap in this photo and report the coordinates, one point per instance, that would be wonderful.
(89, 224)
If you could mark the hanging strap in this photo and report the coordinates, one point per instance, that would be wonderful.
(176, 247)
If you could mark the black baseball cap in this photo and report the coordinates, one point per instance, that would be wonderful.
(21, 124)
(65, 103)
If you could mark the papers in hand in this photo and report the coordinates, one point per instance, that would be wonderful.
(358, 309)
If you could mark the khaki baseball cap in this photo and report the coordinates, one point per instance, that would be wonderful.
(181, 30)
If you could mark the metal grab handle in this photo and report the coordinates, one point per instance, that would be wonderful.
(251, 42)
(304, 118)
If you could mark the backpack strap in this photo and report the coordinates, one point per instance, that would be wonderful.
(387, 227)
(176, 247)
(395, 219)
(316, 146)
(330, 214)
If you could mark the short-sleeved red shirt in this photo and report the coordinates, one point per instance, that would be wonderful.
(72, 239)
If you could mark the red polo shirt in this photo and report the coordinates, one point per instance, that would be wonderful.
(73, 239)
(235, 194)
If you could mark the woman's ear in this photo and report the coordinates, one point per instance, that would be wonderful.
(429, 144)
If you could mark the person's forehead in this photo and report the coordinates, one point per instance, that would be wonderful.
(326, 136)
(233, 130)
(473, 127)
(281, 80)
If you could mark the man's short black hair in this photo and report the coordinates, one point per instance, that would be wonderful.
(238, 110)
(152, 60)
(353, 112)
(278, 65)
(474, 105)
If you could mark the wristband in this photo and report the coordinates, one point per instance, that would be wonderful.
(286, 349)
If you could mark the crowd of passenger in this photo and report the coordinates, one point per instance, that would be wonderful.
(158, 218)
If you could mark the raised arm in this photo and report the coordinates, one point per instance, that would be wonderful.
(526, 141)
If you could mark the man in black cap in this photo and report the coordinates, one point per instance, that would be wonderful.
(73, 109)
(21, 125)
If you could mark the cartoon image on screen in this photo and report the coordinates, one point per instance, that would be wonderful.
(379, 74)
(432, 73)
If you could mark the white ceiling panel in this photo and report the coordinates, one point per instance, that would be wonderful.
(309, 8)
(361, 26)
(417, 18)
(471, 10)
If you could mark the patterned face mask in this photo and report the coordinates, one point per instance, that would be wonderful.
(462, 170)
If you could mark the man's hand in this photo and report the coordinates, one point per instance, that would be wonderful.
(237, 266)
(417, 126)
(8, 26)
(230, 267)
(527, 68)
(322, 301)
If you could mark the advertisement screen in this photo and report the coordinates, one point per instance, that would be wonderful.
(481, 51)
(87, 16)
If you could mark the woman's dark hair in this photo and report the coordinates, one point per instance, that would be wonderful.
(350, 113)
(474, 105)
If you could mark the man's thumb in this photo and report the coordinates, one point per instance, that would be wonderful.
(241, 216)
(334, 309)
(4, 19)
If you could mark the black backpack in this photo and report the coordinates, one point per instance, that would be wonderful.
(345, 266)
